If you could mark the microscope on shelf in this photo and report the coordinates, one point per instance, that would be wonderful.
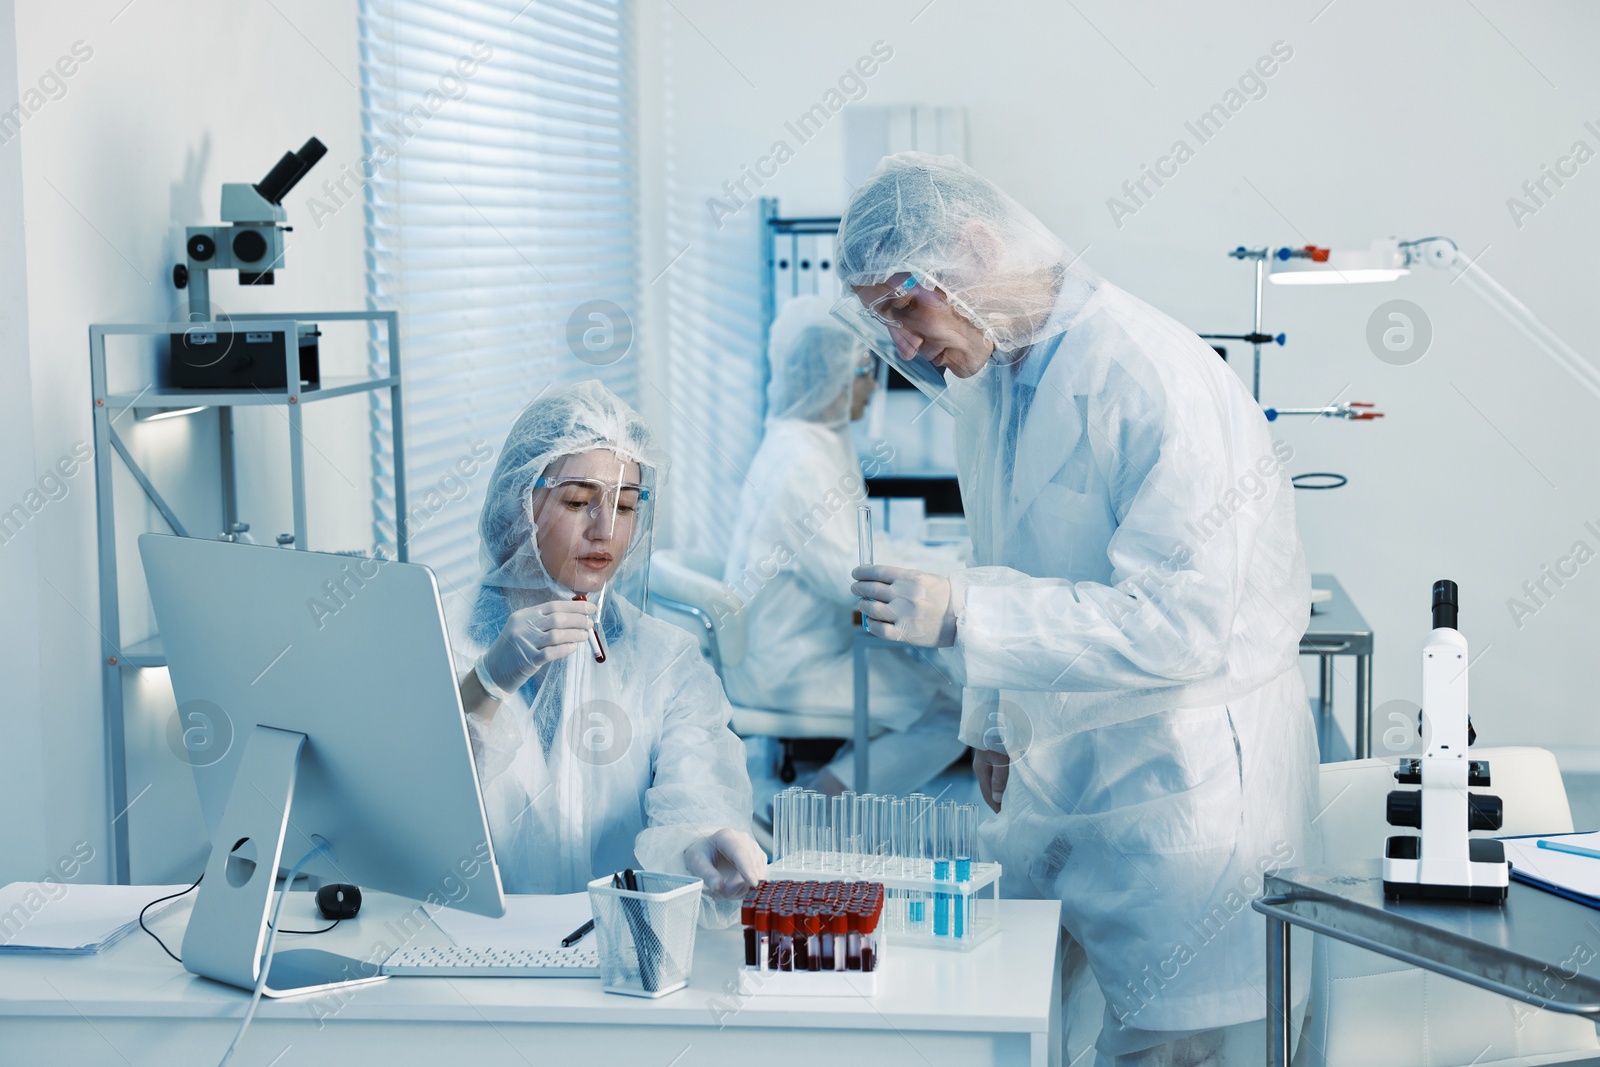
(1443, 862)
(216, 355)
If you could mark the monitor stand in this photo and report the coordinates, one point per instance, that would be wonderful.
(228, 928)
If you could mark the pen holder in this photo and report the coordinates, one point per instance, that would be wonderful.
(645, 937)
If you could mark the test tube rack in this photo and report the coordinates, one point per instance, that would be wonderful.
(984, 910)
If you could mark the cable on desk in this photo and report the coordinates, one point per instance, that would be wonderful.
(158, 900)
(197, 881)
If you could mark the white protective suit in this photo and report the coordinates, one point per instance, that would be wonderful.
(590, 768)
(1130, 635)
(790, 556)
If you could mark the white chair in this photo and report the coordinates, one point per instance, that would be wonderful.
(1367, 1010)
(686, 589)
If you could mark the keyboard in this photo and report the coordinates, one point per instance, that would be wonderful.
(457, 961)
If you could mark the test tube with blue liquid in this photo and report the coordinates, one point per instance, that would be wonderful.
(864, 547)
(966, 841)
(944, 826)
(919, 840)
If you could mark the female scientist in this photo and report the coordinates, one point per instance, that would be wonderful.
(1129, 639)
(588, 767)
(793, 545)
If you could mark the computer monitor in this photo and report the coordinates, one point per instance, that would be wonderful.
(328, 689)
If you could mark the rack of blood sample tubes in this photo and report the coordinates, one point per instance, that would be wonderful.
(820, 938)
(919, 848)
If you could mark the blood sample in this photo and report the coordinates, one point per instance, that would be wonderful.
(852, 951)
(869, 937)
(785, 939)
(747, 916)
(802, 943)
(813, 932)
(595, 643)
(839, 923)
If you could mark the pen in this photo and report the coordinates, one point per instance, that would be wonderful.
(577, 935)
(1575, 850)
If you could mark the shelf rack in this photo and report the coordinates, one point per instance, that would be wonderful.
(115, 658)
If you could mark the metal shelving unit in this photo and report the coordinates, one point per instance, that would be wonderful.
(115, 658)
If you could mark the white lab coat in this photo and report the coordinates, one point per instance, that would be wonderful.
(642, 762)
(1130, 636)
(790, 558)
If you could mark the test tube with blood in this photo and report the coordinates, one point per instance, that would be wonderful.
(596, 643)
(785, 939)
(869, 935)
(747, 917)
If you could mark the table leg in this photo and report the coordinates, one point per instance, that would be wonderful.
(1363, 706)
(1277, 993)
(1325, 685)
(862, 682)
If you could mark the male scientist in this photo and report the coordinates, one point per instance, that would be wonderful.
(1128, 638)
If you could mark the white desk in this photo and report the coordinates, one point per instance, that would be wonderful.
(132, 1006)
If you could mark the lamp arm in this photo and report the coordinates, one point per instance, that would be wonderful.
(1442, 252)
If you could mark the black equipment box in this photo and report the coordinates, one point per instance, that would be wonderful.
(232, 356)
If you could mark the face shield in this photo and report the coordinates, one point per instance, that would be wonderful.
(890, 327)
(592, 516)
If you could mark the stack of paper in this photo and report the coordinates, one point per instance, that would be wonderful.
(531, 922)
(1574, 877)
(69, 919)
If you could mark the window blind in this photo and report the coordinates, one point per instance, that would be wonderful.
(501, 201)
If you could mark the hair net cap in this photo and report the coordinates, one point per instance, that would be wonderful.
(565, 421)
(940, 220)
(812, 358)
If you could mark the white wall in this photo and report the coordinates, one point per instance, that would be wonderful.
(25, 842)
(1411, 120)
(177, 97)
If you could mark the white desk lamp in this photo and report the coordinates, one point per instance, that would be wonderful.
(1390, 258)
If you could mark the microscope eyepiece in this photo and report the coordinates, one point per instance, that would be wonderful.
(289, 170)
(1446, 604)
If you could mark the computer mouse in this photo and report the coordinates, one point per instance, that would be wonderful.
(338, 900)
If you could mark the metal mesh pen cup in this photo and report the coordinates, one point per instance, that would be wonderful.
(645, 938)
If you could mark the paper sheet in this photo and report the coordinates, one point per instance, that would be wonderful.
(530, 922)
(1581, 874)
(73, 917)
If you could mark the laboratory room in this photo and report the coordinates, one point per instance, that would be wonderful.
(678, 532)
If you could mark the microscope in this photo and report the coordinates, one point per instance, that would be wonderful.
(217, 355)
(1443, 862)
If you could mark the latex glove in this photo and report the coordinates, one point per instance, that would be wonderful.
(905, 605)
(728, 861)
(531, 638)
(992, 769)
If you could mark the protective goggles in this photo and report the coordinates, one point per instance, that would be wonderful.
(606, 497)
(888, 328)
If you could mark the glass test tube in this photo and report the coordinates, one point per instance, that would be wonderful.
(778, 816)
(839, 859)
(966, 842)
(883, 833)
(862, 815)
(897, 863)
(850, 845)
(944, 827)
(864, 545)
(820, 843)
(919, 834)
